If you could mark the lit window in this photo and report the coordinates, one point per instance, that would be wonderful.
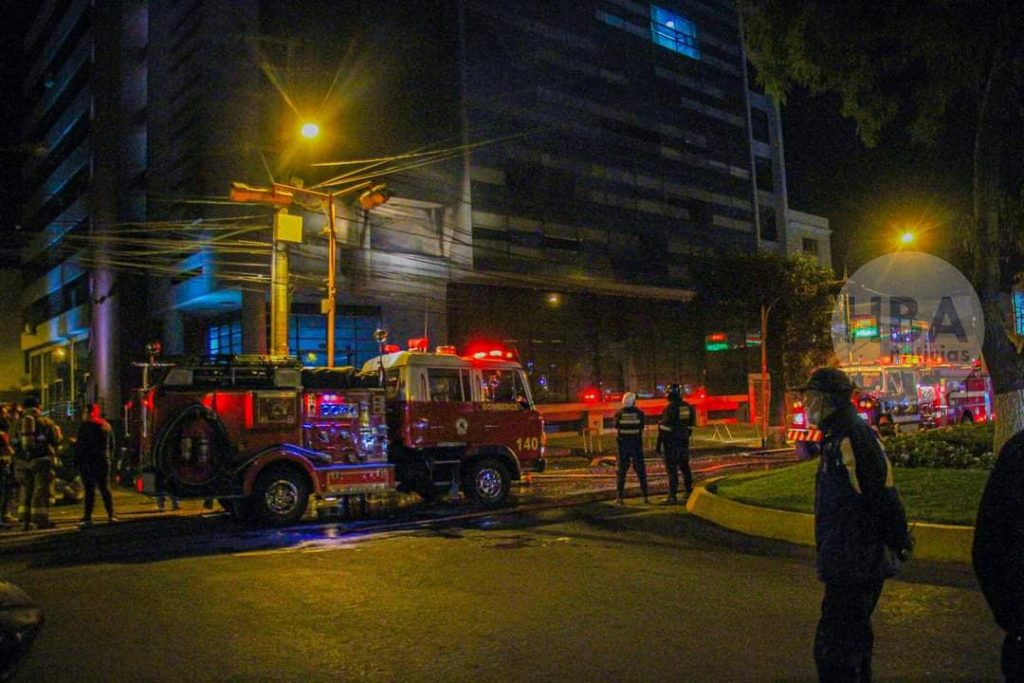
(677, 33)
(224, 339)
(1018, 312)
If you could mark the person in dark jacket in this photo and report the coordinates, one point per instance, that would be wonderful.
(860, 528)
(93, 452)
(629, 429)
(998, 551)
(677, 422)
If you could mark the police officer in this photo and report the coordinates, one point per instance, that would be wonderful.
(40, 437)
(677, 421)
(629, 428)
(860, 527)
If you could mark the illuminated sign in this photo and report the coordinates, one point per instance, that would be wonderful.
(716, 341)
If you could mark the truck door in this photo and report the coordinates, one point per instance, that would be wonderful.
(439, 409)
(507, 412)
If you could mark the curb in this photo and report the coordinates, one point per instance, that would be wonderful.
(942, 542)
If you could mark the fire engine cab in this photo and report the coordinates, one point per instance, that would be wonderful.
(264, 434)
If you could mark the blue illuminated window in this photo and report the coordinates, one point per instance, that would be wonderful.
(677, 33)
(1018, 312)
(224, 339)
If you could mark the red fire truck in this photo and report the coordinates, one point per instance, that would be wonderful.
(263, 434)
(908, 395)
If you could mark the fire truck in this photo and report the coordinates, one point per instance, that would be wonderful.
(909, 395)
(264, 434)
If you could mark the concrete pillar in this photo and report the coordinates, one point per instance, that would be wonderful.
(254, 322)
(173, 333)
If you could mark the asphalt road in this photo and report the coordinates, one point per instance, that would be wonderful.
(588, 592)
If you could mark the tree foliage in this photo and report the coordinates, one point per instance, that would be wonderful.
(907, 63)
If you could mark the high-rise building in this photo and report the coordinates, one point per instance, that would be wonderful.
(553, 165)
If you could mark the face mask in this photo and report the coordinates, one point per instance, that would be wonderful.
(814, 404)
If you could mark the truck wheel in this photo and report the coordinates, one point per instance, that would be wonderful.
(488, 482)
(281, 495)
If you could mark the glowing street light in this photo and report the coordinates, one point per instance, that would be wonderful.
(310, 130)
(907, 237)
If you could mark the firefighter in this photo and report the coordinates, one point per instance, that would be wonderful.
(40, 437)
(629, 428)
(860, 528)
(94, 450)
(677, 422)
(7, 483)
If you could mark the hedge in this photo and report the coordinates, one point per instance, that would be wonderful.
(965, 446)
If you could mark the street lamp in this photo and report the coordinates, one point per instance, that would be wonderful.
(310, 130)
(906, 237)
(765, 397)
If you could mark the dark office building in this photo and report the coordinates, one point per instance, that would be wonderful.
(552, 166)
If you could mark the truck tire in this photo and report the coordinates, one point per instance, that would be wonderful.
(488, 482)
(281, 495)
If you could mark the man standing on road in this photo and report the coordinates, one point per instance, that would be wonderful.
(998, 552)
(860, 528)
(7, 484)
(94, 450)
(629, 428)
(677, 422)
(40, 438)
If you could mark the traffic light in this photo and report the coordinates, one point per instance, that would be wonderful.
(374, 196)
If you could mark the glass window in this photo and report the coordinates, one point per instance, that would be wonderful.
(395, 385)
(763, 172)
(759, 124)
(810, 246)
(444, 384)
(225, 338)
(499, 386)
(353, 339)
(1018, 311)
(675, 32)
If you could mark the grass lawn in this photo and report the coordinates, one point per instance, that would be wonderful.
(945, 496)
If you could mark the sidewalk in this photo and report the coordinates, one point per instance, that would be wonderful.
(128, 506)
(942, 542)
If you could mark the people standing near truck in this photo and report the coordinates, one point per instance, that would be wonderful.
(674, 428)
(860, 527)
(998, 551)
(629, 429)
(40, 438)
(8, 486)
(94, 450)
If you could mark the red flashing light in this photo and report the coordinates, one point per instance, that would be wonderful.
(718, 337)
(590, 395)
(480, 355)
(446, 350)
(496, 353)
(392, 348)
(419, 344)
(138, 484)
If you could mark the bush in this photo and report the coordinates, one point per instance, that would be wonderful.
(966, 446)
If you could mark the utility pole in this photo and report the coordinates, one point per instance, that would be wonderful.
(288, 228)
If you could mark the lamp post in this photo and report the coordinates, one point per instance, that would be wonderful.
(765, 397)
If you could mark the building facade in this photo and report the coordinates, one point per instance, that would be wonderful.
(552, 164)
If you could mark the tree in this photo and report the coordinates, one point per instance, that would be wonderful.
(801, 295)
(911, 64)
